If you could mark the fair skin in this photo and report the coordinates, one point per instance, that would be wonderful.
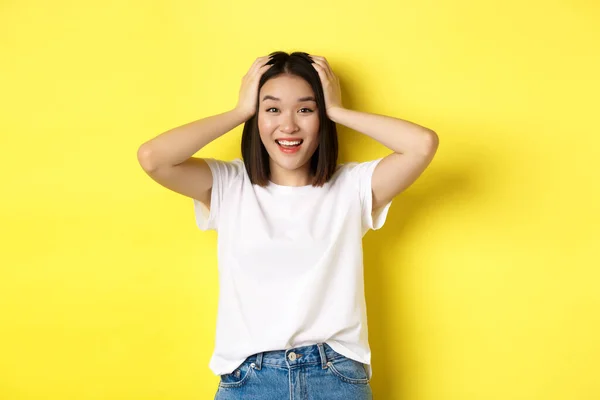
(286, 112)
(168, 160)
(413, 146)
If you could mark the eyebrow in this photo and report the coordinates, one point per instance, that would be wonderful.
(307, 98)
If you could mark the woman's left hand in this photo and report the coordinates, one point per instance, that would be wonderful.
(330, 82)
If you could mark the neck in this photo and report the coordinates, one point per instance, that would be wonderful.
(285, 177)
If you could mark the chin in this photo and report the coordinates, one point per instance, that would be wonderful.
(290, 164)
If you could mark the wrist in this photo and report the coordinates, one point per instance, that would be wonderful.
(241, 115)
(334, 113)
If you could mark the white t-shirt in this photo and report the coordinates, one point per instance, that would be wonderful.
(290, 262)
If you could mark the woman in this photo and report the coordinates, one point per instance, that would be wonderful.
(292, 319)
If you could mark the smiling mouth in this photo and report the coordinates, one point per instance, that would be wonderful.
(289, 144)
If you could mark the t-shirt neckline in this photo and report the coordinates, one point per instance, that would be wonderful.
(288, 189)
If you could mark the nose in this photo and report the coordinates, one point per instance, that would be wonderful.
(288, 124)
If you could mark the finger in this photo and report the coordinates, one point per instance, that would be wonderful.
(329, 69)
(322, 59)
(260, 60)
(321, 71)
(257, 61)
(321, 65)
(253, 67)
(259, 71)
(326, 65)
(323, 62)
(258, 64)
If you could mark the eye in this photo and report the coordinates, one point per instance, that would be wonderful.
(309, 110)
(272, 108)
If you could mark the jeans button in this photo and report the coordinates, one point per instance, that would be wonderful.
(292, 356)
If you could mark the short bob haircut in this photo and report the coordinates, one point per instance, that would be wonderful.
(324, 160)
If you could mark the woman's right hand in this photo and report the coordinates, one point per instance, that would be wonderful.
(249, 90)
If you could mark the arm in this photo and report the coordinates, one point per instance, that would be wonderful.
(413, 149)
(413, 145)
(177, 145)
(168, 159)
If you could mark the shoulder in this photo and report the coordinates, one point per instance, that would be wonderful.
(233, 167)
(235, 163)
(226, 173)
(344, 176)
(357, 170)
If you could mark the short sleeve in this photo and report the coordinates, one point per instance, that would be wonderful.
(224, 174)
(362, 173)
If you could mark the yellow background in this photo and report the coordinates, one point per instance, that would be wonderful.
(482, 285)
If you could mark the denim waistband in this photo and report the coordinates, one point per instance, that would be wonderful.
(318, 353)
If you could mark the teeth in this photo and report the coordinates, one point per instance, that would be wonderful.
(289, 143)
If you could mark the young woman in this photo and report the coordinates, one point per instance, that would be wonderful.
(292, 319)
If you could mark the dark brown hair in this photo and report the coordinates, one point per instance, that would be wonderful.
(324, 160)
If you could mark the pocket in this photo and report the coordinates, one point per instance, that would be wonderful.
(349, 370)
(237, 377)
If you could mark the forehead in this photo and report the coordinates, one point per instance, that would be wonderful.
(286, 87)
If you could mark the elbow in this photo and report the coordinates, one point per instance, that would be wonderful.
(431, 142)
(144, 157)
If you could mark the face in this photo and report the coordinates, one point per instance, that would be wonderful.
(288, 121)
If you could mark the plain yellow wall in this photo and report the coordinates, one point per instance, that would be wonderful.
(484, 282)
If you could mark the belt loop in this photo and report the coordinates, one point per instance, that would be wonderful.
(259, 358)
(323, 355)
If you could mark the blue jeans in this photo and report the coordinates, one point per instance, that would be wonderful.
(313, 372)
